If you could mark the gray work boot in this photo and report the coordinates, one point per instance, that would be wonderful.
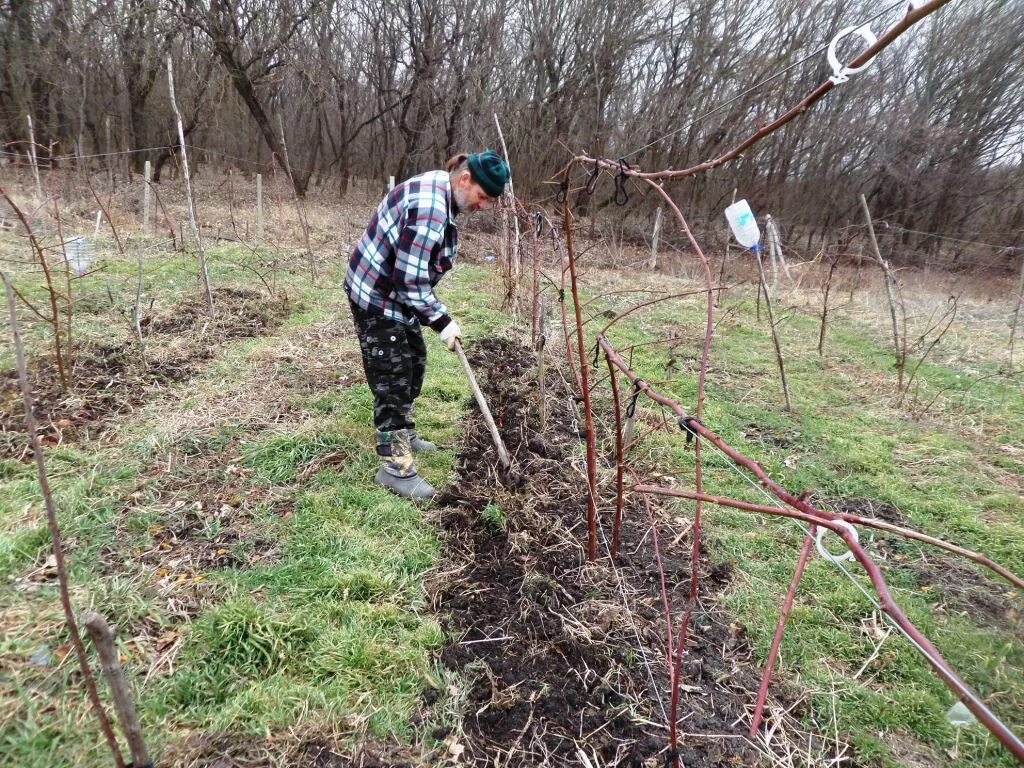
(410, 486)
(419, 445)
(397, 472)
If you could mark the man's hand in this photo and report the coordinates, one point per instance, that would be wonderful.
(451, 334)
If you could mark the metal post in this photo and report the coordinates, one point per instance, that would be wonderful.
(148, 176)
(259, 207)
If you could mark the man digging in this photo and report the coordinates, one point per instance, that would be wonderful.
(409, 244)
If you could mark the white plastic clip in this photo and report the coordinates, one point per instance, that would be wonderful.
(840, 72)
(847, 555)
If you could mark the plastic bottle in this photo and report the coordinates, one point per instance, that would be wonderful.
(78, 252)
(744, 225)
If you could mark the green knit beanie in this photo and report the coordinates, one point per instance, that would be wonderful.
(489, 171)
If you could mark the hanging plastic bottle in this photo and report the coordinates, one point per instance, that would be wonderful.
(79, 254)
(744, 225)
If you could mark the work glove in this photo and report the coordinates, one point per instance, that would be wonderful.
(451, 334)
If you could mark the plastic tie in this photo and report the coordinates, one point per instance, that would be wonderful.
(561, 295)
(621, 196)
(685, 423)
(563, 192)
(840, 72)
(538, 223)
(672, 758)
(631, 408)
(597, 351)
(592, 181)
(835, 559)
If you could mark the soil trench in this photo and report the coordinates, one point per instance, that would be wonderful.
(565, 657)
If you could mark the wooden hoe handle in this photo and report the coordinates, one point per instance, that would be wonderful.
(480, 401)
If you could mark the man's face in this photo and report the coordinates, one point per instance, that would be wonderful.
(469, 195)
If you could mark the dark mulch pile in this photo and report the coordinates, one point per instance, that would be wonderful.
(109, 379)
(240, 313)
(557, 662)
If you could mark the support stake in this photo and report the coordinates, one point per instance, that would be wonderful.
(148, 180)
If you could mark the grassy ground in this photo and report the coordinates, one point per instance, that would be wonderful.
(230, 528)
(954, 471)
(265, 590)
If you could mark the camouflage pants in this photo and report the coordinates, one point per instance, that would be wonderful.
(395, 360)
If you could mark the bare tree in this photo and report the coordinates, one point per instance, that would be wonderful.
(252, 40)
(382, 87)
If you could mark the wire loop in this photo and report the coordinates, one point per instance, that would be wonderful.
(563, 192)
(631, 408)
(686, 424)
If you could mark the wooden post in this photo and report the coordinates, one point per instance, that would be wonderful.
(103, 638)
(110, 154)
(80, 141)
(652, 263)
(598, 152)
(775, 336)
(203, 273)
(542, 392)
(310, 259)
(259, 207)
(889, 281)
(630, 425)
(516, 262)
(779, 253)
(824, 307)
(34, 160)
(148, 179)
(769, 230)
(1016, 312)
(775, 247)
(391, 183)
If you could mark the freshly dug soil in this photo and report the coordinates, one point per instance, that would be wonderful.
(563, 655)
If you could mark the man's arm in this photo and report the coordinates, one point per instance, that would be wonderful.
(423, 230)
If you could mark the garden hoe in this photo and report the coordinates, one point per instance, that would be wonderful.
(480, 401)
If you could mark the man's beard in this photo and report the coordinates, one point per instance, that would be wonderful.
(459, 196)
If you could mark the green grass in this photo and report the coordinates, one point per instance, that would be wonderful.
(494, 518)
(324, 624)
(332, 632)
(847, 439)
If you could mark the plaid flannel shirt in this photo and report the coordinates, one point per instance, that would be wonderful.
(410, 242)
